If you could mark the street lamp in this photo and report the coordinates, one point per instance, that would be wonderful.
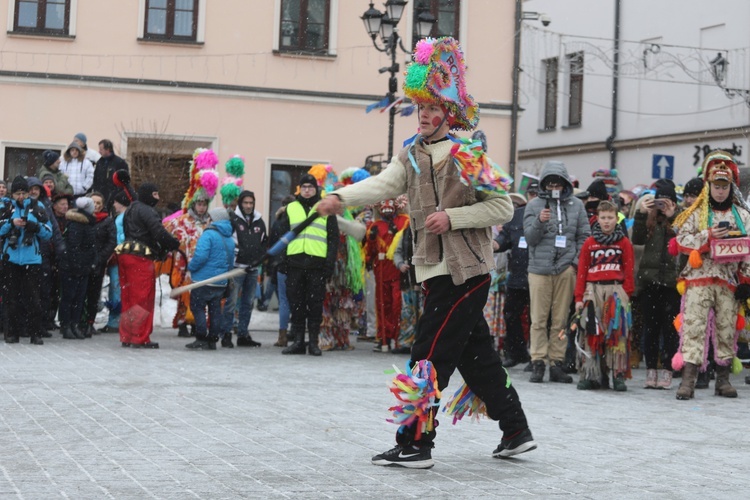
(386, 25)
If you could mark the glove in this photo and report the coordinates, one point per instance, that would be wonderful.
(32, 227)
(742, 293)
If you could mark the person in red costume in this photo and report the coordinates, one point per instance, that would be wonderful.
(382, 239)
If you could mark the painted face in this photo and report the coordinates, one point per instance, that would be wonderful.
(607, 221)
(387, 208)
(720, 192)
(98, 203)
(430, 119)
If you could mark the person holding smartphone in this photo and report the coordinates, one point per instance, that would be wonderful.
(656, 279)
(713, 286)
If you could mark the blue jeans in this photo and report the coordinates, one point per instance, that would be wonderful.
(244, 291)
(283, 301)
(200, 298)
(114, 297)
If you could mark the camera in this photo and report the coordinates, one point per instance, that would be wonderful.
(545, 19)
(660, 204)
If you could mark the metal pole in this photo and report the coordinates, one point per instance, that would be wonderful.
(392, 87)
(514, 105)
(615, 84)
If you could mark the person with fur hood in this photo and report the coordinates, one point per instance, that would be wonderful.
(79, 170)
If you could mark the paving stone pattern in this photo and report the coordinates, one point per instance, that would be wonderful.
(89, 419)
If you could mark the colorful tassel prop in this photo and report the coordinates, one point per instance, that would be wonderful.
(235, 166)
(464, 402)
(476, 169)
(740, 325)
(206, 159)
(681, 287)
(695, 259)
(209, 180)
(736, 365)
(677, 322)
(672, 247)
(678, 361)
(418, 393)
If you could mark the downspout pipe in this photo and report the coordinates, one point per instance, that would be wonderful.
(615, 85)
(514, 104)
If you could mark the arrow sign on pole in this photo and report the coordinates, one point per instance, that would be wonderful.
(662, 167)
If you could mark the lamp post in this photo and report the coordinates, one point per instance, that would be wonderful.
(376, 23)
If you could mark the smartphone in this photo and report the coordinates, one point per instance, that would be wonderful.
(660, 204)
(724, 224)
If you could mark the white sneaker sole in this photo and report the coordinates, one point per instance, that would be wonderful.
(529, 446)
(422, 464)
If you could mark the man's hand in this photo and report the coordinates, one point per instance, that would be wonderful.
(330, 205)
(719, 232)
(545, 215)
(19, 222)
(579, 306)
(403, 267)
(437, 223)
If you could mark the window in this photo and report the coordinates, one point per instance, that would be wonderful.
(304, 26)
(47, 17)
(445, 11)
(575, 88)
(174, 20)
(284, 181)
(22, 161)
(550, 93)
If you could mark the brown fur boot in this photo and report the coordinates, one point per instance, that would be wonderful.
(282, 339)
(722, 387)
(687, 384)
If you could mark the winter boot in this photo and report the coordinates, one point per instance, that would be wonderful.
(722, 387)
(687, 384)
(67, 333)
(651, 379)
(298, 347)
(618, 383)
(312, 347)
(557, 373)
(77, 332)
(182, 330)
(282, 342)
(537, 371)
(226, 340)
(704, 378)
(665, 380)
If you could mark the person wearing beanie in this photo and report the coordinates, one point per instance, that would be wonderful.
(308, 263)
(596, 192)
(51, 167)
(106, 241)
(23, 226)
(691, 191)
(714, 279)
(187, 228)
(121, 201)
(251, 243)
(146, 240)
(78, 168)
(214, 255)
(76, 263)
(91, 155)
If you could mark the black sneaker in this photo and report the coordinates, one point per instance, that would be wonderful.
(226, 341)
(518, 443)
(202, 344)
(247, 341)
(557, 373)
(405, 456)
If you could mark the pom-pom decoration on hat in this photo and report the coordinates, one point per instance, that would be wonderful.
(465, 402)
(417, 393)
(346, 176)
(209, 182)
(360, 175)
(325, 176)
(206, 158)
(231, 184)
(203, 178)
(476, 169)
(235, 166)
(437, 76)
(695, 260)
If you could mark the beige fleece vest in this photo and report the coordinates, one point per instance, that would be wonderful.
(467, 252)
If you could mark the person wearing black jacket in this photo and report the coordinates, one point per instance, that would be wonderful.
(106, 241)
(145, 240)
(76, 263)
(104, 169)
(250, 242)
(308, 264)
(517, 287)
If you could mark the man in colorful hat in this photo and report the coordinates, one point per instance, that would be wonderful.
(717, 275)
(451, 224)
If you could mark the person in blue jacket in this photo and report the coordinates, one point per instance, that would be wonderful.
(23, 225)
(214, 255)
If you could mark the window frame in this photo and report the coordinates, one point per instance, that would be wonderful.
(169, 36)
(41, 7)
(328, 24)
(433, 8)
(575, 88)
(550, 68)
(7, 147)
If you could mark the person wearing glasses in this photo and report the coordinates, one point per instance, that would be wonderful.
(555, 225)
(308, 264)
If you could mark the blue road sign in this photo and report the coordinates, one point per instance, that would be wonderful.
(662, 167)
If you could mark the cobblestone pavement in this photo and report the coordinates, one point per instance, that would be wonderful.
(89, 419)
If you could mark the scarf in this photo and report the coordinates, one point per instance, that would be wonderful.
(606, 239)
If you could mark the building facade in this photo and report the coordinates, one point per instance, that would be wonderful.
(284, 83)
(675, 86)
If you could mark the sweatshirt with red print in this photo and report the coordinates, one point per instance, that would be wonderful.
(605, 262)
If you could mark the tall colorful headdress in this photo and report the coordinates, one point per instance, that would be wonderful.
(325, 176)
(231, 185)
(437, 76)
(203, 178)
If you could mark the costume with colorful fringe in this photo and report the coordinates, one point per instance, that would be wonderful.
(382, 238)
(188, 226)
(417, 391)
(709, 311)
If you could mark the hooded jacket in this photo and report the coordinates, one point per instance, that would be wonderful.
(103, 171)
(250, 235)
(568, 220)
(27, 249)
(141, 223)
(81, 255)
(80, 171)
(56, 242)
(62, 185)
(214, 253)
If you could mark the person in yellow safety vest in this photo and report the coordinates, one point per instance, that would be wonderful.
(308, 264)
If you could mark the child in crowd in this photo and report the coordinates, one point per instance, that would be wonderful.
(604, 285)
